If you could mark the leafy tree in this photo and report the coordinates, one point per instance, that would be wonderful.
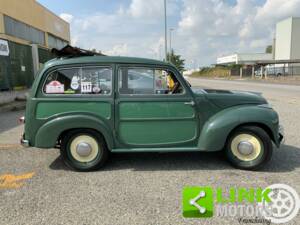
(176, 60)
(269, 49)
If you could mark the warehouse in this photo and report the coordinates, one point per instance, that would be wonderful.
(27, 33)
(284, 59)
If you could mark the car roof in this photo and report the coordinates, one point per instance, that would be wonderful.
(104, 59)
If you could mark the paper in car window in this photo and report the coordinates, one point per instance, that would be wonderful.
(86, 87)
(55, 87)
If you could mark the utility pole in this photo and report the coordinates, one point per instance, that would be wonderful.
(166, 41)
(171, 29)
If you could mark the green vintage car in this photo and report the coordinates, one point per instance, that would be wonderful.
(92, 105)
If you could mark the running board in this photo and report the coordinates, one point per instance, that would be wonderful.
(156, 150)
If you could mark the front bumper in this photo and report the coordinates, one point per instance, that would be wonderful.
(24, 143)
(281, 134)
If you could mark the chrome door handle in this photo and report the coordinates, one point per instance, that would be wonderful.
(191, 103)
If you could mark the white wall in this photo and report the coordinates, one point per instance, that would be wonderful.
(283, 39)
(295, 46)
(227, 59)
(244, 58)
(254, 57)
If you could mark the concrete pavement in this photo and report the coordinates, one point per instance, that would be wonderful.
(137, 188)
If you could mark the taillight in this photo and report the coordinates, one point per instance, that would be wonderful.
(22, 119)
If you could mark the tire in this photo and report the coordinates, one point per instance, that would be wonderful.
(93, 154)
(256, 149)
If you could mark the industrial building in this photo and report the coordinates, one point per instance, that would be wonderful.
(287, 45)
(284, 59)
(247, 59)
(27, 33)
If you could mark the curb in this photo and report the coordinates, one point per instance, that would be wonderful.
(13, 106)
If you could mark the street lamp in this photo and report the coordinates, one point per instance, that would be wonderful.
(171, 29)
(166, 41)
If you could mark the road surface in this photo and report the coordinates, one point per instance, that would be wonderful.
(136, 188)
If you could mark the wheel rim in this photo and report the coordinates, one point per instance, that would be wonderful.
(84, 148)
(246, 147)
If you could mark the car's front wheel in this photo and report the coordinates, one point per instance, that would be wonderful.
(249, 147)
(84, 150)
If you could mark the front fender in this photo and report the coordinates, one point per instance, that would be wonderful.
(216, 130)
(48, 134)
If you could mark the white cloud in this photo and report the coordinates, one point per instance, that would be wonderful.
(151, 10)
(117, 50)
(128, 31)
(214, 28)
(67, 17)
(204, 29)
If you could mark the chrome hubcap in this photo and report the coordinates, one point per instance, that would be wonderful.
(83, 149)
(245, 147)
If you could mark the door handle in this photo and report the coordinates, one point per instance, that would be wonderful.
(191, 103)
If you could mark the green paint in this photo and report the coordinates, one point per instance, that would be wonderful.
(157, 132)
(198, 202)
(155, 110)
(242, 195)
(207, 202)
(48, 109)
(154, 123)
(145, 122)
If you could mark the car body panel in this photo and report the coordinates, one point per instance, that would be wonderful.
(143, 122)
(156, 123)
(217, 128)
(49, 132)
(47, 109)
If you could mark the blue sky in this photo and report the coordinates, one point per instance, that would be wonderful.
(203, 29)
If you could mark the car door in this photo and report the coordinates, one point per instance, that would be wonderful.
(147, 115)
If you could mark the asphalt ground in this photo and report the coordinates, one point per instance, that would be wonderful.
(37, 188)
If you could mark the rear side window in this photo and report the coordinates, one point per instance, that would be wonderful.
(148, 81)
(86, 80)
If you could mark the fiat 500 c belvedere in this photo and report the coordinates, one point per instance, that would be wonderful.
(92, 105)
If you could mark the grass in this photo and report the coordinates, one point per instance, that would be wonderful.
(212, 72)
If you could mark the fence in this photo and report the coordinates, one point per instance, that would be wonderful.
(274, 70)
(16, 70)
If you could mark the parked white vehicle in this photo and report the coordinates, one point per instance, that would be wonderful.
(272, 70)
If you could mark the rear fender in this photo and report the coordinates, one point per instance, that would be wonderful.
(49, 133)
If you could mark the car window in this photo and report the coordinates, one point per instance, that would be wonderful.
(147, 81)
(86, 80)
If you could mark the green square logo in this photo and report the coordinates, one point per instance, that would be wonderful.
(197, 202)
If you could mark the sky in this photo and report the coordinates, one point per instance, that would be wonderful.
(203, 29)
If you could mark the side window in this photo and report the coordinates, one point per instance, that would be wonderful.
(148, 81)
(86, 80)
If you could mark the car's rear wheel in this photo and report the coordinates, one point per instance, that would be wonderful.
(249, 147)
(84, 150)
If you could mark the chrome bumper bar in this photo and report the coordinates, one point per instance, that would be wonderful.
(24, 143)
(281, 134)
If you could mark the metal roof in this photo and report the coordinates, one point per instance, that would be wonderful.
(277, 61)
(104, 59)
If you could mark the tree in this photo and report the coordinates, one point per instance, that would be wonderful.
(269, 49)
(176, 60)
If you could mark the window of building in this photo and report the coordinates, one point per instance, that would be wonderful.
(89, 80)
(55, 42)
(23, 31)
(148, 81)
